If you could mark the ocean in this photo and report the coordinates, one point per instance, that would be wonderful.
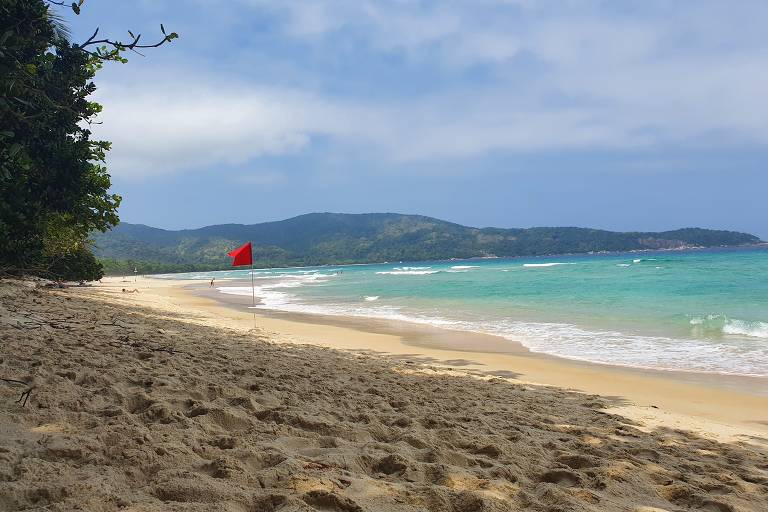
(700, 310)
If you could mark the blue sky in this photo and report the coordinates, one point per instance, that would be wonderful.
(644, 115)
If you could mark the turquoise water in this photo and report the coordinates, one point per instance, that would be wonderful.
(695, 311)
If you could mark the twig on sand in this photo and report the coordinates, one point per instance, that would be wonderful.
(125, 343)
(169, 350)
(25, 394)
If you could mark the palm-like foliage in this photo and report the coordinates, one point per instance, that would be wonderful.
(60, 28)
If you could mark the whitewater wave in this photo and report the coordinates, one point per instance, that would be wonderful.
(299, 277)
(272, 295)
(192, 277)
(537, 265)
(404, 272)
(721, 324)
(225, 275)
(464, 267)
(371, 298)
(558, 339)
(747, 328)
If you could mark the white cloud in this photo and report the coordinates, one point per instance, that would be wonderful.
(567, 78)
(170, 127)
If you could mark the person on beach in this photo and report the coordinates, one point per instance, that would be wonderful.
(212, 280)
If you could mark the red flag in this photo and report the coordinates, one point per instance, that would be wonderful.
(242, 255)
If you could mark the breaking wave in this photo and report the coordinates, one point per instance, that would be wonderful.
(721, 324)
(537, 265)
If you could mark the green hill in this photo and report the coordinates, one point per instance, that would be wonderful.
(336, 238)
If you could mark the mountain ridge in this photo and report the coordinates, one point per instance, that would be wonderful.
(340, 238)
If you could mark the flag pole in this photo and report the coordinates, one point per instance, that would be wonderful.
(253, 288)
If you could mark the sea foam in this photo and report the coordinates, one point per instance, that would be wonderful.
(536, 265)
(408, 271)
(559, 339)
(722, 324)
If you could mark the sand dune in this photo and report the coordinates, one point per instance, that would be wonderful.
(136, 410)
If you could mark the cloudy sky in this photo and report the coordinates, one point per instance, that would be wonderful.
(632, 115)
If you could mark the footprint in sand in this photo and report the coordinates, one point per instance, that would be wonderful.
(718, 489)
(229, 421)
(223, 418)
(646, 453)
(324, 500)
(269, 502)
(391, 464)
(577, 461)
(561, 477)
(223, 442)
(716, 506)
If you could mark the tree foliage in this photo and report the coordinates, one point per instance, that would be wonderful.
(77, 265)
(54, 185)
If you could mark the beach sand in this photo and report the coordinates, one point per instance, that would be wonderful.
(165, 399)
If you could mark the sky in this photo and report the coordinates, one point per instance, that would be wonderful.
(633, 115)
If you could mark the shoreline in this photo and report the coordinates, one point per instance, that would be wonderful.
(424, 336)
(693, 249)
(720, 406)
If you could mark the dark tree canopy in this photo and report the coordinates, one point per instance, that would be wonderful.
(54, 186)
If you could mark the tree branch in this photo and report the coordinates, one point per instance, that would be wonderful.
(25, 394)
(167, 38)
(116, 45)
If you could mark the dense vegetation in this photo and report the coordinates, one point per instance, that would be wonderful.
(54, 187)
(329, 238)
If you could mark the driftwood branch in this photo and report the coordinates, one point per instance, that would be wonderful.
(25, 394)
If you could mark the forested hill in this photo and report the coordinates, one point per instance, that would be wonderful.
(327, 238)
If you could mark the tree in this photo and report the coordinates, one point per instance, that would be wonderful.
(77, 265)
(54, 186)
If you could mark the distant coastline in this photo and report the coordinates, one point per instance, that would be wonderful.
(129, 265)
(344, 239)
